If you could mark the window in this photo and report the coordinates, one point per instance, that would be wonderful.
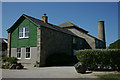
(97, 43)
(19, 53)
(20, 32)
(100, 44)
(24, 32)
(27, 53)
(74, 52)
(81, 42)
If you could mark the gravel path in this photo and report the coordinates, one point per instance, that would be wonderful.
(49, 72)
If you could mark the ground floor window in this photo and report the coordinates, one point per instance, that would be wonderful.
(18, 53)
(74, 52)
(27, 53)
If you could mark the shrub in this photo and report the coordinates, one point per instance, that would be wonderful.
(13, 60)
(4, 59)
(8, 61)
(100, 59)
(5, 67)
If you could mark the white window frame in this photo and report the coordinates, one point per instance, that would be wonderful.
(17, 53)
(20, 32)
(24, 33)
(29, 52)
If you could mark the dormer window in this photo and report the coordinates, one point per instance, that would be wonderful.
(24, 32)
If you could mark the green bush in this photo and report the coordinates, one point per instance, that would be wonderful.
(100, 59)
(4, 59)
(12, 60)
(8, 61)
(5, 67)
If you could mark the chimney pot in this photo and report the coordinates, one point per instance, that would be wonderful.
(45, 18)
(44, 14)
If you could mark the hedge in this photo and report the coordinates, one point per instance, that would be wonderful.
(100, 59)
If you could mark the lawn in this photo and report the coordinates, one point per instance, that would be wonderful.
(110, 77)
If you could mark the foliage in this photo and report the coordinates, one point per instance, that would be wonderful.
(100, 59)
(58, 59)
(5, 67)
(8, 61)
(12, 60)
(110, 76)
(4, 59)
(115, 45)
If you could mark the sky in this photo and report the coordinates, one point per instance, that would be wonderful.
(83, 14)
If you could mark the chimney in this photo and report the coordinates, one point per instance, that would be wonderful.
(101, 31)
(45, 18)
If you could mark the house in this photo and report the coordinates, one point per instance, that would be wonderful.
(31, 39)
(3, 47)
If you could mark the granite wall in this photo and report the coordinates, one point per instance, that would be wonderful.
(54, 42)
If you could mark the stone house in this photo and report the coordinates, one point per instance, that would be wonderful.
(31, 39)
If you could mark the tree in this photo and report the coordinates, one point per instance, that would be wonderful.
(115, 45)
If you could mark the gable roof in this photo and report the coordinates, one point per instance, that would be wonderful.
(69, 25)
(41, 23)
(61, 28)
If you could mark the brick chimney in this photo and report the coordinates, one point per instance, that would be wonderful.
(101, 30)
(45, 18)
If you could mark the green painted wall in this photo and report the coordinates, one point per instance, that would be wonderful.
(24, 42)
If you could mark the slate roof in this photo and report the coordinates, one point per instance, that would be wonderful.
(61, 28)
(47, 25)
(69, 24)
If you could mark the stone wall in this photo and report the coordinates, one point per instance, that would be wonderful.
(54, 42)
(90, 41)
(38, 43)
(100, 44)
(81, 44)
(9, 45)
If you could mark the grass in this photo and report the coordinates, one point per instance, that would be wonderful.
(110, 77)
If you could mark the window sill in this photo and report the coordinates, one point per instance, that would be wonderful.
(23, 37)
(18, 58)
(27, 58)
